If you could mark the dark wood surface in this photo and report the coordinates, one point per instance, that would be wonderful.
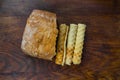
(101, 54)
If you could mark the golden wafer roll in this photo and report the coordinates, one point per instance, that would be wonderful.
(71, 43)
(79, 44)
(61, 44)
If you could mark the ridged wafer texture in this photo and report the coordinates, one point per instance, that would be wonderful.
(79, 44)
(71, 43)
(61, 44)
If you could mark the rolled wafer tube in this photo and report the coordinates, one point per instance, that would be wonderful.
(79, 44)
(71, 43)
(61, 44)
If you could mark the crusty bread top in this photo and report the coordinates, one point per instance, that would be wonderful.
(40, 17)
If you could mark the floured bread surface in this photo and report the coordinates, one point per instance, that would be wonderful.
(39, 38)
(61, 44)
(79, 44)
(71, 43)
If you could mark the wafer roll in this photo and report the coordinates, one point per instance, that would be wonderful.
(79, 44)
(61, 44)
(71, 43)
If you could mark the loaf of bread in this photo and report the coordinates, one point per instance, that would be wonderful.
(39, 38)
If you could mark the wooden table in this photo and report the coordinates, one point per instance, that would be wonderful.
(101, 54)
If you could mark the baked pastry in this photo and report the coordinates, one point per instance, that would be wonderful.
(79, 44)
(39, 38)
(61, 44)
(71, 43)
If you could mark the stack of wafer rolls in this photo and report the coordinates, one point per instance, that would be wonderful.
(70, 44)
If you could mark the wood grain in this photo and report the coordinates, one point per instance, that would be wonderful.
(101, 54)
